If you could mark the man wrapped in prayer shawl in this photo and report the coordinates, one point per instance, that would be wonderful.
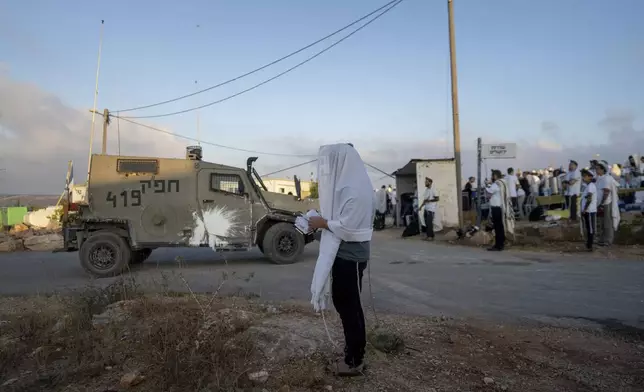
(501, 211)
(347, 211)
(607, 208)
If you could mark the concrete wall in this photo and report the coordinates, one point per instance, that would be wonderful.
(443, 173)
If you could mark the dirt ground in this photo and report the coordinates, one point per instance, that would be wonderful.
(621, 252)
(118, 339)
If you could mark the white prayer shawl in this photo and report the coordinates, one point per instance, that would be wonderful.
(347, 203)
(614, 203)
(381, 199)
(507, 208)
(614, 196)
(546, 180)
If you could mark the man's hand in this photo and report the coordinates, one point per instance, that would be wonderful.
(317, 222)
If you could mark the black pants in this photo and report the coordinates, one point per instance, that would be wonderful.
(499, 230)
(525, 201)
(429, 223)
(346, 287)
(590, 224)
(571, 202)
(515, 203)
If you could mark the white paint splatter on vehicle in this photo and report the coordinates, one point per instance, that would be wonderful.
(218, 223)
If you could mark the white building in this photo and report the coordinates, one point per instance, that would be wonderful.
(287, 186)
(411, 178)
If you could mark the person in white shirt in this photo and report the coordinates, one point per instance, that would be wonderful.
(533, 179)
(428, 208)
(633, 171)
(381, 208)
(561, 177)
(513, 184)
(545, 180)
(607, 208)
(589, 208)
(554, 184)
(496, 210)
(573, 188)
(392, 195)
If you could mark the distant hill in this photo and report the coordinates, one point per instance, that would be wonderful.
(28, 200)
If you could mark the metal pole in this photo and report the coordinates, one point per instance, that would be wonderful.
(118, 132)
(98, 68)
(479, 190)
(106, 121)
(455, 121)
(198, 125)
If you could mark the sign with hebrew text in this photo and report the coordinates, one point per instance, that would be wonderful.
(499, 151)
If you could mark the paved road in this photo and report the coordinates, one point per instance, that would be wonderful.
(408, 276)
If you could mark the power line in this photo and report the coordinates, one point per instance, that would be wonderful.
(260, 68)
(289, 168)
(381, 171)
(242, 149)
(212, 144)
(276, 76)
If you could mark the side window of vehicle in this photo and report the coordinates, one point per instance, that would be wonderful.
(141, 166)
(228, 183)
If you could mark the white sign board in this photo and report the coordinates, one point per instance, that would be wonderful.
(499, 151)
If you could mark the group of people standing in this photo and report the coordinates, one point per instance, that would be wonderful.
(593, 189)
(599, 203)
(385, 201)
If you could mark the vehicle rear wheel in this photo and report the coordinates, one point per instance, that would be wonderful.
(283, 244)
(139, 256)
(104, 254)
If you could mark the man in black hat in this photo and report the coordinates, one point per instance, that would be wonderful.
(593, 167)
(589, 208)
(573, 189)
(497, 200)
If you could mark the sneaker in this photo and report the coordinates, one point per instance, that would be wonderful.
(341, 369)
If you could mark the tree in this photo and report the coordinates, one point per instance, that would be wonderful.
(313, 190)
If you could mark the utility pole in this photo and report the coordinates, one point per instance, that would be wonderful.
(455, 120)
(479, 189)
(106, 122)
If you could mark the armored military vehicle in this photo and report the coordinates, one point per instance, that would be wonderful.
(133, 205)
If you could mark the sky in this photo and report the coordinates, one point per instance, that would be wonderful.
(562, 79)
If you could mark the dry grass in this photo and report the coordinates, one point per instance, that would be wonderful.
(194, 342)
(52, 342)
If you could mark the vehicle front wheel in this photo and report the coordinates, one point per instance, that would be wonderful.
(139, 256)
(105, 254)
(260, 245)
(283, 243)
